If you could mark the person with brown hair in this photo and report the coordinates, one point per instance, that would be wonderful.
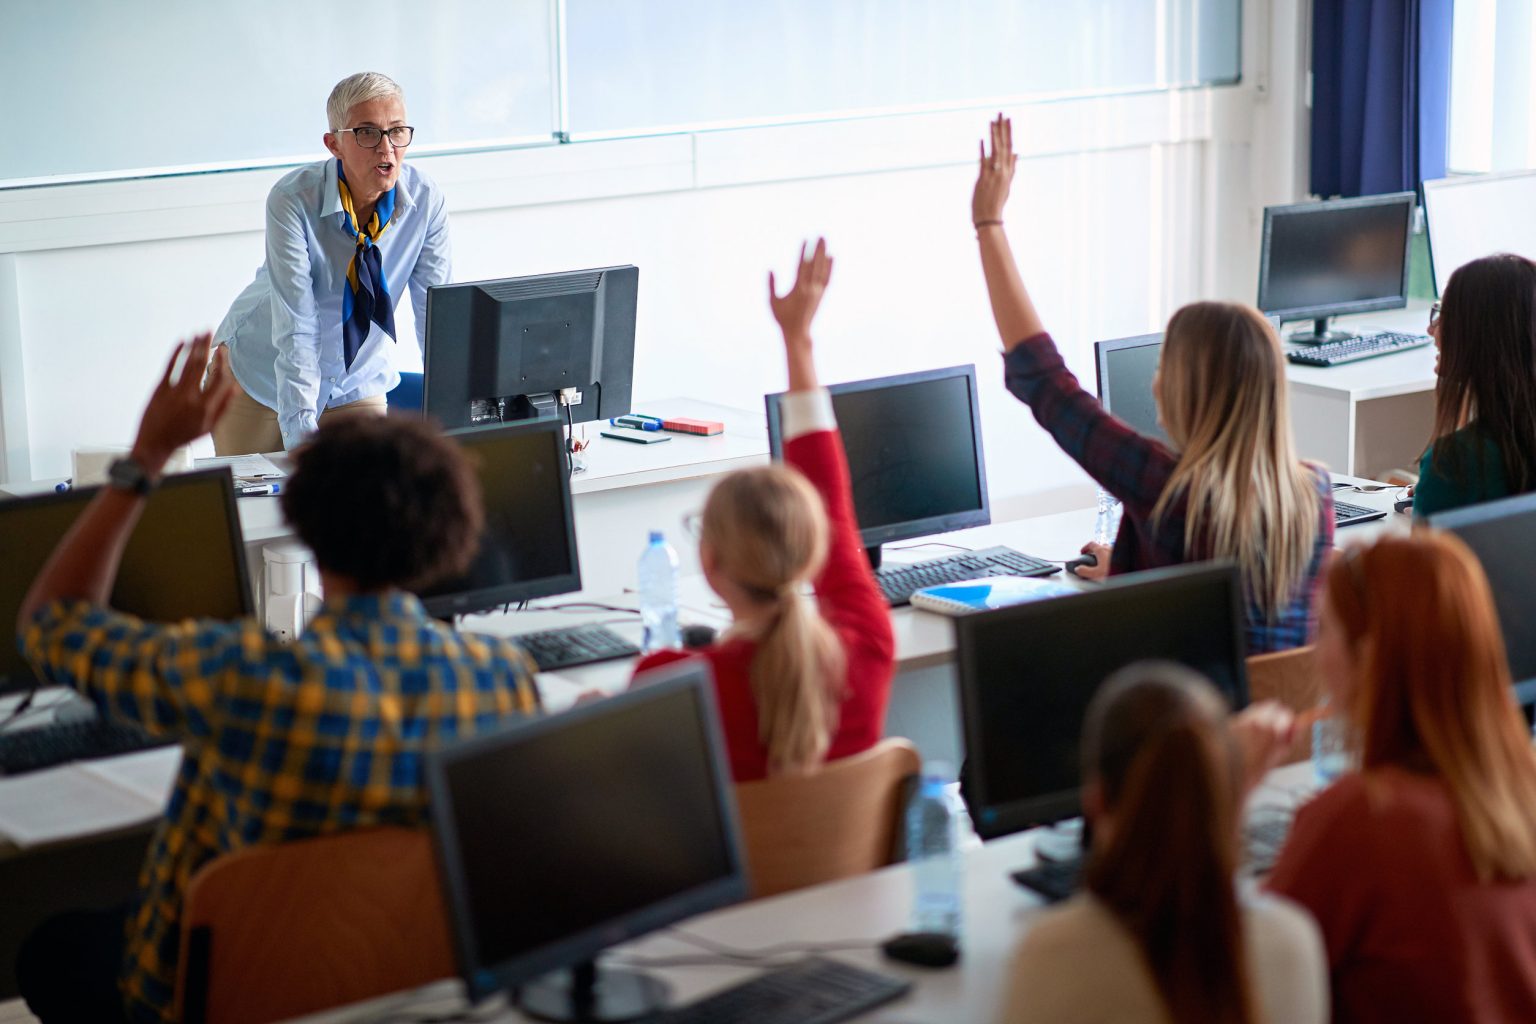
(1421, 867)
(1160, 932)
(280, 740)
(798, 681)
(1484, 443)
(1230, 486)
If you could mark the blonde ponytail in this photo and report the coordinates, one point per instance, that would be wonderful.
(768, 531)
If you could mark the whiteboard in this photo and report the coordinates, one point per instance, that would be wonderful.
(1477, 215)
(108, 88)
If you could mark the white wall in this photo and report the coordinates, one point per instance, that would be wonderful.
(1123, 209)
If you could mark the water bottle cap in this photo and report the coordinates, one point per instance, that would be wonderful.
(938, 773)
(657, 537)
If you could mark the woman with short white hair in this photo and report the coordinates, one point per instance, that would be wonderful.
(313, 335)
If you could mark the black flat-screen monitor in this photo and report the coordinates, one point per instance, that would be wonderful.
(1028, 672)
(1503, 536)
(914, 453)
(528, 544)
(1326, 259)
(560, 836)
(1126, 367)
(184, 560)
(550, 345)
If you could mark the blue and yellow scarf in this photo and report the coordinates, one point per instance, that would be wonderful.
(367, 299)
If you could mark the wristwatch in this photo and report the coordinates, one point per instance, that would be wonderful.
(127, 475)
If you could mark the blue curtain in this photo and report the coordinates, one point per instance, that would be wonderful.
(1381, 81)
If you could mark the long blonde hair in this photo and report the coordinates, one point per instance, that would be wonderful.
(1432, 688)
(767, 529)
(1223, 403)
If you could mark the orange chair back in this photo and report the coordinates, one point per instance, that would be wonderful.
(1291, 678)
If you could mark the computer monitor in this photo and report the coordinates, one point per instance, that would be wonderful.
(528, 544)
(914, 453)
(560, 836)
(515, 349)
(1126, 367)
(184, 560)
(1028, 672)
(1476, 215)
(1327, 259)
(1503, 536)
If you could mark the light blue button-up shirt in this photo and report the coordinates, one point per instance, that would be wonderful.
(284, 331)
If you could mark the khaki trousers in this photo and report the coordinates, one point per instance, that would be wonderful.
(248, 427)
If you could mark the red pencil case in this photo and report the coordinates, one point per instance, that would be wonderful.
(684, 425)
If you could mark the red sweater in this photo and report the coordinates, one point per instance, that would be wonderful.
(1411, 934)
(851, 604)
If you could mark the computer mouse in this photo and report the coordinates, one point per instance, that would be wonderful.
(697, 635)
(1086, 560)
(925, 949)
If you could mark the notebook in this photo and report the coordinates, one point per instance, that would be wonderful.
(969, 596)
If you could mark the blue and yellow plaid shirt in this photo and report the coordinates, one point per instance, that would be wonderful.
(281, 740)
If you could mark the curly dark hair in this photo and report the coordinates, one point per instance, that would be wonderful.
(385, 501)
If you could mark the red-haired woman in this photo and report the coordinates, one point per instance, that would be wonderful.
(1421, 868)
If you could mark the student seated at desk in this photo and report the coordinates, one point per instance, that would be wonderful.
(1231, 487)
(281, 740)
(796, 685)
(1485, 395)
(1421, 868)
(1160, 933)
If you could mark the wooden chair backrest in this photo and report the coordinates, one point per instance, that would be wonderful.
(842, 820)
(274, 932)
(1291, 678)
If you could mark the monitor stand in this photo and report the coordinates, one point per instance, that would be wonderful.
(584, 994)
(873, 553)
(1319, 335)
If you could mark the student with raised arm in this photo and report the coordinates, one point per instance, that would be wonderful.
(1421, 865)
(1485, 395)
(1230, 485)
(280, 740)
(799, 681)
(1160, 932)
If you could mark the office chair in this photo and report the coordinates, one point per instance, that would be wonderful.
(1289, 677)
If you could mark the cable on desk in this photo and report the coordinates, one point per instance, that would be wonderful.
(721, 953)
(583, 606)
(931, 544)
(20, 709)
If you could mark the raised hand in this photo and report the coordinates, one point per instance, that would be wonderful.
(995, 176)
(797, 308)
(184, 408)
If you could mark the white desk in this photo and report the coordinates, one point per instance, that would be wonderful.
(867, 909)
(1371, 417)
(626, 491)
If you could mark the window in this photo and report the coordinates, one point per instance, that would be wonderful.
(1492, 95)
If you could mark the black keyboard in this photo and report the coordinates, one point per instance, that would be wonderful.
(1345, 514)
(899, 582)
(43, 746)
(813, 991)
(1364, 346)
(1054, 879)
(570, 646)
(1263, 835)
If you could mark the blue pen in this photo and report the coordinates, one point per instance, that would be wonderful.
(61, 488)
(257, 490)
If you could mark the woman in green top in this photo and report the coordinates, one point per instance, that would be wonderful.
(1484, 444)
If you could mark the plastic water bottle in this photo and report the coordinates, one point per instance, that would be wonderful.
(933, 850)
(658, 594)
(1330, 750)
(1107, 523)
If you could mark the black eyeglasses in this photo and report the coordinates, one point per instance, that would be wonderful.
(369, 138)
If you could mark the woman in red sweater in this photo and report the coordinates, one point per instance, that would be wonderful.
(1421, 868)
(799, 682)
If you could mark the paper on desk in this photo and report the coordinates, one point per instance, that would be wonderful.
(246, 467)
(87, 797)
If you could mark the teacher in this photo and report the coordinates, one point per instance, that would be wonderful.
(313, 337)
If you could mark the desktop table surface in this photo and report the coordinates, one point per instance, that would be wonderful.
(861, 911)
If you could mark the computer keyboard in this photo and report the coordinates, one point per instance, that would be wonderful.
(1263, 835)
(813, 991)
(570, 646)
(1054, 879)
(899, 582)
(1345, 514)
(1364, 346)
(43, 746)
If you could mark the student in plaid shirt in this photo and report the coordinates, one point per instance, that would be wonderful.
(1231, 485)
(281, 740)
